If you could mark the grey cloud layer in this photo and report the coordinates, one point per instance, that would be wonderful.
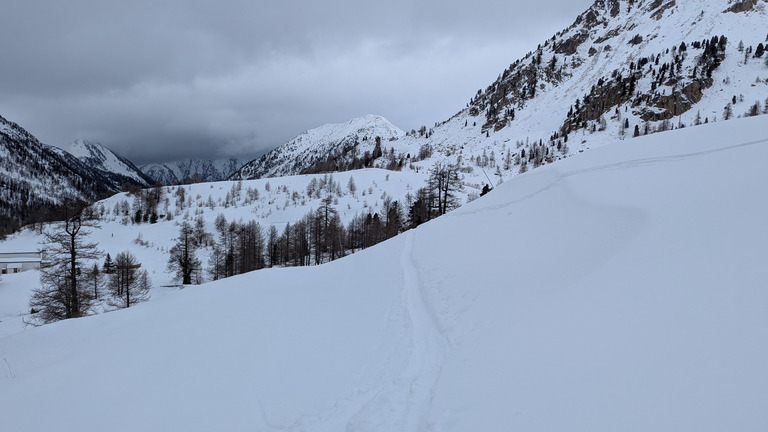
(162, 80)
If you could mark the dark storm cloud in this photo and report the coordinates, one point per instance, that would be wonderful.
(158, 80)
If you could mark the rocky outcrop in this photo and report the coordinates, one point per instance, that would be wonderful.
(677, 103)
(742, 6)
(571, 45)
(663, 8)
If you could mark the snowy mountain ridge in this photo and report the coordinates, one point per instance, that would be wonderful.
(35, 179)
(622, 67)
(196, 170)
(111, 164)
(309, 149)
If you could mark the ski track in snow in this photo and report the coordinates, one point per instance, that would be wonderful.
(403, 399)
(429, 345)
(600, 168)
(396, 392)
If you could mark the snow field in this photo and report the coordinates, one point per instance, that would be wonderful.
(621, 289)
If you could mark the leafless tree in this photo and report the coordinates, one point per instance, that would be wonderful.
(64, 292)
(128, 285)
(444, 183)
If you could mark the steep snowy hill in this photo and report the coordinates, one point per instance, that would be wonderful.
(194, 170)
(620, 289)
(36, 178)
(117, 168)
(353, 142)
(624, 68)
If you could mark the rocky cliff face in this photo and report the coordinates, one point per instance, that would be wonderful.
(624, 52)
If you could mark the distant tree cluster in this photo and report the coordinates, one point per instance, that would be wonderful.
(145, 203)
(438, 197)
(239, 248)
(350, 158)
(317, 238)
(126, 284)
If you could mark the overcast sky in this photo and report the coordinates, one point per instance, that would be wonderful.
(158, 80)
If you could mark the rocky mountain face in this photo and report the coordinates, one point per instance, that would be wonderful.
(630, 53)
(624, 68)
(333, 147)
(37, 179)
(191, 170)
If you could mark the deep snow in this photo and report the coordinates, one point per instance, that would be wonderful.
(620, 289)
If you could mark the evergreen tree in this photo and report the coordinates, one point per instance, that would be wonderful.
(183, 260)
(108, 265)
(759, 50)
(422, 208)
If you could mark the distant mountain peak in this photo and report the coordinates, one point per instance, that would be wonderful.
(311, 150)
(36, 178)
(191, 169)
(119, 169)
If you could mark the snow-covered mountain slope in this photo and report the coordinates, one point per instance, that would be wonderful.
(623, 68)
(620, 289)
(191, 170)
(653, 65)
(309, 151)
(119, 169)
(36, 178)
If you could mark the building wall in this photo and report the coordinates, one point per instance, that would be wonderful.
(15, 262)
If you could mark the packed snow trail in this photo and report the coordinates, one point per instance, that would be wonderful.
(396, 389)
(403, 393)
(429, 344)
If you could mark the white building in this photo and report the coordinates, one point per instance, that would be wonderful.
(15, 262)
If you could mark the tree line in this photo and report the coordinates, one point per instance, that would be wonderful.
(318, 237)
(73, 284)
